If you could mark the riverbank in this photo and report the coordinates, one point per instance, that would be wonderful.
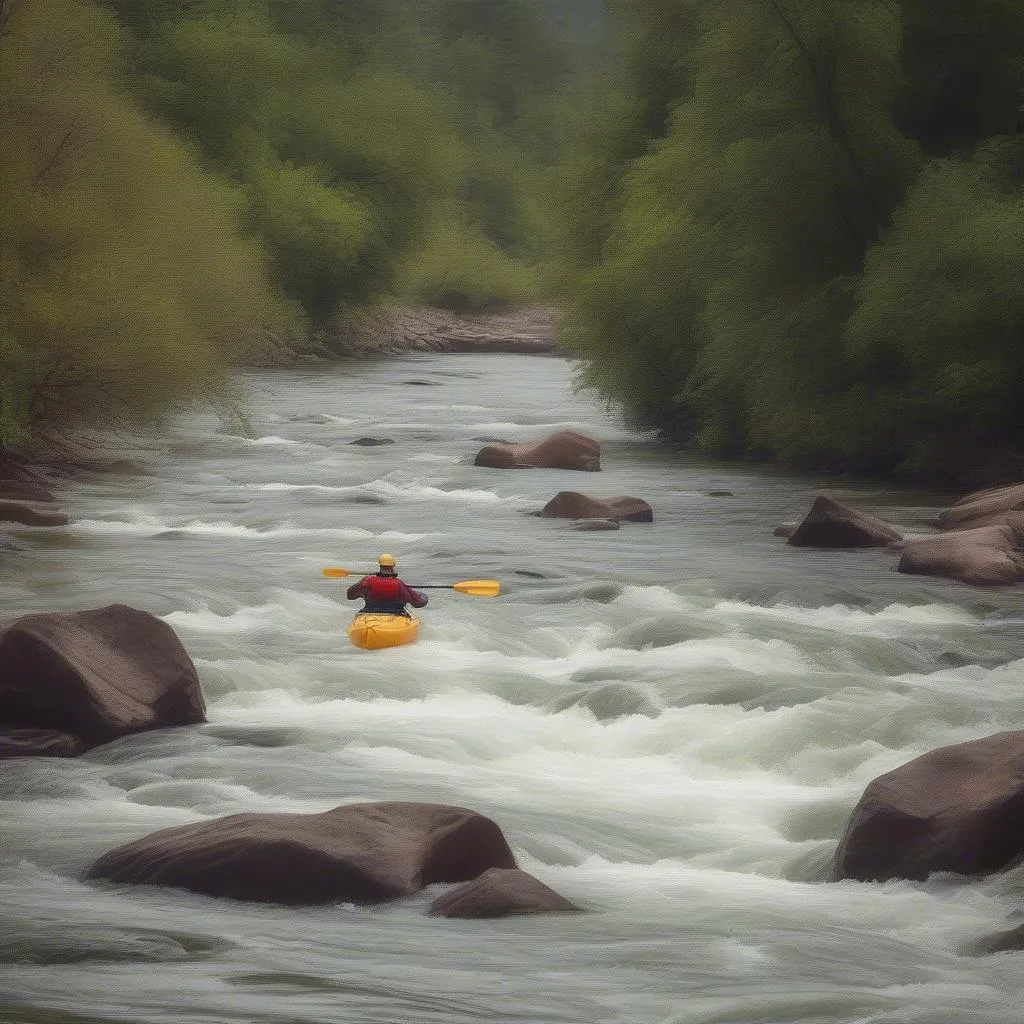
(399, 330)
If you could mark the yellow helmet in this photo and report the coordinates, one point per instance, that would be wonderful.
(387, 561)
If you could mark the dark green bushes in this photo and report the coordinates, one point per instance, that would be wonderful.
(803, 259)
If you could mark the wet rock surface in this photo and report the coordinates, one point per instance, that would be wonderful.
(361, 853)
(567, 449)
(575, 505)
(96, 675)
(830, 524)
(501, 893)
(986, 555)
(958, 808)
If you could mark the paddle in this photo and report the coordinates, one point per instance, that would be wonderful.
(474, 588)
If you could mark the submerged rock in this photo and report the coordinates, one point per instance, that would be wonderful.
(39, 743)
(31, 513)
(986, 555)
(361, 853)
(501, 892)
(25, 490)
(958, 808)
(567, 449)
(372, 442)
(96, 675)
(574, 505)
(830, 524)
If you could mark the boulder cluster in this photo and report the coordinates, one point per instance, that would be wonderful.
(362, 854)
(981, 538)
(70, 681)
(568, 449)
(958, 808)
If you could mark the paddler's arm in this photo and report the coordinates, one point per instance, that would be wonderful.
(357, 590)
(414, 597)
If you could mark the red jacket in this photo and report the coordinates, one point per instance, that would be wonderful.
(386, 590)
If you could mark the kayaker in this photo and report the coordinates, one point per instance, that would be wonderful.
(385, 592)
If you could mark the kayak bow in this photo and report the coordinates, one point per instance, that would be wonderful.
(373, 631)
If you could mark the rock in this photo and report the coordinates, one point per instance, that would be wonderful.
(31, 514)
(22, 490)
(610, 702)
(1010, 941)
(39, 743)
(574, 505)
(830, 524)
(500, 892)
(372, 442)
(565, 450)
(423, 383)
(595, 525)
(786, 529)
(958, 808)
(96, 674)
(985, 555)
(361, 853)
(983, 508)
(491, 440)
(720, 494)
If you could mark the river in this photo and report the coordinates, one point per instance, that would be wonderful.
(670, 723)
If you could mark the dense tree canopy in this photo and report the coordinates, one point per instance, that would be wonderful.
(188, 184)
(802, 245)
(778, 228)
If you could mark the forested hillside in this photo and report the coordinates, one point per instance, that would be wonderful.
(785, 229)
(190, 184)
(795, 231)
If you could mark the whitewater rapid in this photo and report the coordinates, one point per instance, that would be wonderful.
(670, 723)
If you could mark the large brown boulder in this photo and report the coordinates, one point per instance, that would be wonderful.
(985, 555)
(958, 808)
(983, 508)
(574, 505)
(830, 524)
(362, 853)
(500, 892)
(565, 450)
(96, 674)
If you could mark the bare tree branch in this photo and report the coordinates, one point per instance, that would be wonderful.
(58, 152)
(824, 83)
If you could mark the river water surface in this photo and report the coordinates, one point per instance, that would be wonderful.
(670, 723)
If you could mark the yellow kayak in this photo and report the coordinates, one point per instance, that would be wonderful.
(374, 630)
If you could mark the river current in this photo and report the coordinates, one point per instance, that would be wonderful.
(671, 724)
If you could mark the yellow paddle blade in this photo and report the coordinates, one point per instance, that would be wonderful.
(334, 573)
(478, 588)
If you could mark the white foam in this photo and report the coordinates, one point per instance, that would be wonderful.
(891, 621)
(142, 524)
(395, 491)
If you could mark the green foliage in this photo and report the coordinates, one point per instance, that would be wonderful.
(191, 183)
(127, 285)
(459, 268)
(940, 318)
(772, 270)
(963, 71)
(319, 236)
